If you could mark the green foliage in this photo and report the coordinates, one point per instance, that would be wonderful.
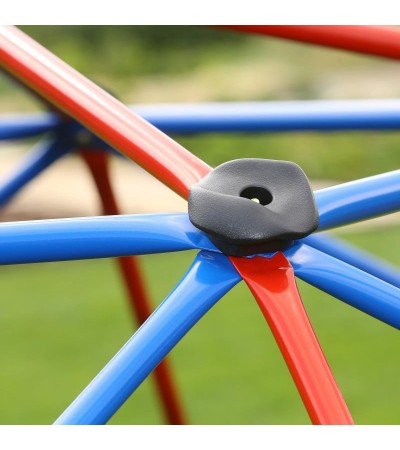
(126, 51)
(335, 156)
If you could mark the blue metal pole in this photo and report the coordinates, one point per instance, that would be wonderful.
(315, 115)
(354, 256)
(39, 158)
(26, 125)
(209, 278)
(358, 200)
(98, 237)
(347, 283)
(275, 116)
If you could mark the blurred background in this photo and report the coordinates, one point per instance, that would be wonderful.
(60, 323)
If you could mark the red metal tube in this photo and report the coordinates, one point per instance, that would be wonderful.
(378, 41)
(98, 111)
(273, 285)
(139, 301)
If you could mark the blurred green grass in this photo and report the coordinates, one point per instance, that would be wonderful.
(61, 322)
(334, 156)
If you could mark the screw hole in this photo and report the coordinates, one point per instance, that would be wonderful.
(257, 194)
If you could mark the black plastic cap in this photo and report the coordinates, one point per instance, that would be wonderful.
(250, 206)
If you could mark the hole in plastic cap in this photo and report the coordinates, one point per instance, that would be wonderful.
(257, 194)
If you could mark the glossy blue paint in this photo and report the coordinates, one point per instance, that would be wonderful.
(274, 116)
(207, 280)
(347, 283)
(354, 256)
(26, 125)
(98, 237)
(358, 200)
(39, 158)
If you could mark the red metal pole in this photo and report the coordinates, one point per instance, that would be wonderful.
(378, 41)
(273, 285)
(98, 111)
(139, 302)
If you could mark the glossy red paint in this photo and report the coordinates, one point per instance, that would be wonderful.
(371, 40)
(273, 285)
(100, 112)
(132, 277)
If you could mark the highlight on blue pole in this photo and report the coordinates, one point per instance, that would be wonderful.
(273, 116)
(349, 254)
(98, 237)
(20, 126)
(358, 200)
(36, 161)
(209, 278)
(347, 283)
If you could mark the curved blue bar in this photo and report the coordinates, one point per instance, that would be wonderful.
(208, 279)
(354, 256)
(319, 115)
(98, 237)
(26, 125)
(187, 118)
(358, 200)
(39, 158)
(355, 287)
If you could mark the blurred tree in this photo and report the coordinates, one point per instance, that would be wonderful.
(123, 51)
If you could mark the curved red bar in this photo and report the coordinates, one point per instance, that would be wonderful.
(139, 302)
(378, 41)
(273, 285)
(97, 110)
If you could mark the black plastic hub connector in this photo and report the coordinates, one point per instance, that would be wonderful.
(250, 206)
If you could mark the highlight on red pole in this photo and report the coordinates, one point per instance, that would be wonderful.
(271, 280)
(98, 111)
(370, 40)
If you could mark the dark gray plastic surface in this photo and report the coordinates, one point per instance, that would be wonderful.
(220, 205)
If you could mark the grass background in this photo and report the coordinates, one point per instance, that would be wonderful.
(60, 323)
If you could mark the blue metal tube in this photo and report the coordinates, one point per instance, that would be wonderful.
(319, 115)
(311, 115)
(354, 256)
(40, 157)
(26, 125)
(207, 280)
(98, 237)
(358, 200)
(347, 283)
